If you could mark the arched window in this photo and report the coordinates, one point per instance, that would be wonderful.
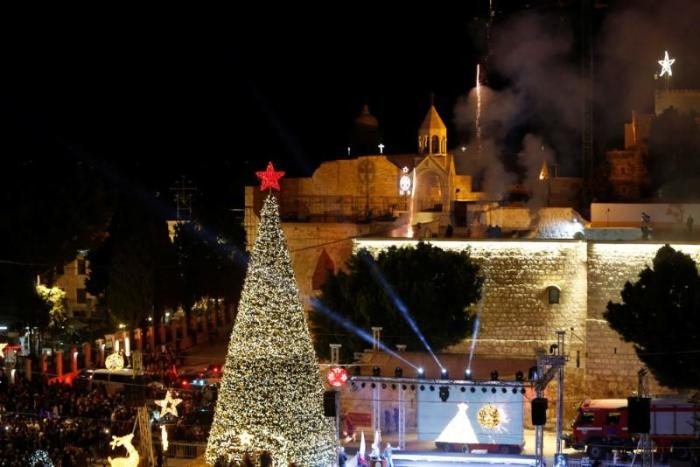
(435, 145)
(553, 294)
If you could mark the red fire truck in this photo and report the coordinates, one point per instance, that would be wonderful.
(601, 426)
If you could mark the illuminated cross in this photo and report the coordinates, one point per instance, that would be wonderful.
(666, 64)
(381, 148)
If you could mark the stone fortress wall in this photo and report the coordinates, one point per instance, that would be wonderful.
(517, 317)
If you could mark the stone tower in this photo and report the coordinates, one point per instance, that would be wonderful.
(432, 135)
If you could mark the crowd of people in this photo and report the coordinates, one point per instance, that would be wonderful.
(71, 425)
(74, 424)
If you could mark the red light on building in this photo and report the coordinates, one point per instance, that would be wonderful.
(337, 376)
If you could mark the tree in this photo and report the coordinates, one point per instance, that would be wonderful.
(54, 206)
(210, 264)
(271, 396)
(660, 315)
(55, 299)
(436, 286)
(135, 268)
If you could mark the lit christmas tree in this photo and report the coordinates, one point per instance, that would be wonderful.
(271, 395)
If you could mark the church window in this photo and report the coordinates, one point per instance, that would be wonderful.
(553, 294)
(436, 145)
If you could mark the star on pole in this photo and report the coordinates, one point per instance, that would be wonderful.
(269, 178)
(168, 405)
(666, 64)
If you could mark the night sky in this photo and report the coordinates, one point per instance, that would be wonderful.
(216, 97)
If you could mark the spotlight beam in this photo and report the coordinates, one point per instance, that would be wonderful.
(475, 334)
(398, 303)
(348, 325)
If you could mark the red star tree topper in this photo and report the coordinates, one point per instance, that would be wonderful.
(269, 178)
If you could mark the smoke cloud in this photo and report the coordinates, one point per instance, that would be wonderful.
(534, 154)
(633, 37)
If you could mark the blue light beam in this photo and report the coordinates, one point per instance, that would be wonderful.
(348, 325)
(398, 303)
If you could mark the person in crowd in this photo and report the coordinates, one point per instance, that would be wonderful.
(342, 457)
(388, 451)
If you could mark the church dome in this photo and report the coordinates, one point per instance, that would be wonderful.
(366, 119)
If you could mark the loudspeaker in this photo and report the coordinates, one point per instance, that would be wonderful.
(539, 411)
(638, 414)
(444, 393)
(329, 403)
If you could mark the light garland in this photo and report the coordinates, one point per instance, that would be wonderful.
(132, 458)
(164, 437)
(168, 405)
(114, 362)
(271, 395)
(40, 456)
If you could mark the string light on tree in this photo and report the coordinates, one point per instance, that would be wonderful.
(168, 405)
(271, 395)
(41, 458)
(666, 65)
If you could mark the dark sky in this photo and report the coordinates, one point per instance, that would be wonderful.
(216, 97)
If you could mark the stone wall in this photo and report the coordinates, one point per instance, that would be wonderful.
(683, 100)
(516, 316)
(612, 365)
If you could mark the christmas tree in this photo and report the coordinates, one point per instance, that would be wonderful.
(271, 395)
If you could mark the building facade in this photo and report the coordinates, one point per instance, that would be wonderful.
(71, 278)
(543, 278)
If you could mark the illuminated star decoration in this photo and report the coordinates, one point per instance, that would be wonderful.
(168, 405)
(245, 438)
(269, 178)
(666, 64)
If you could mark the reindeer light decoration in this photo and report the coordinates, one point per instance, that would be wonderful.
(132, 459)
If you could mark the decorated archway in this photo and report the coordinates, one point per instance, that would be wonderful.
(431, 191)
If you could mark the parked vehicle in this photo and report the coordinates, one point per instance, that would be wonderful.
(601, 426)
